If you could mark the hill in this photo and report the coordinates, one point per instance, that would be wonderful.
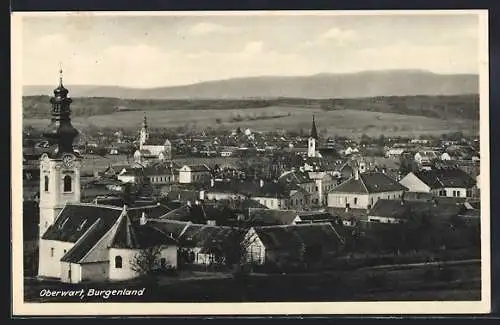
(319, 86)
(441, 107)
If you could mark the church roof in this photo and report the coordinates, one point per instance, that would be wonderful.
(314, 132)
(75, 219)
(130, 234)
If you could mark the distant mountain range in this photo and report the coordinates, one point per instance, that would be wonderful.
(325, 85)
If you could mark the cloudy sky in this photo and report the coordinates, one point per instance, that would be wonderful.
(157, 51)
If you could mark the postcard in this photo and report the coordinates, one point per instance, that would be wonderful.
(250, 163)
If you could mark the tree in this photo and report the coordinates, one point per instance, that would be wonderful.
(145, 262)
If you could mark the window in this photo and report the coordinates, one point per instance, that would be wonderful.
(118, 262)
(317, 189)
(46, 183)
(355, 201)
(52, 252)
(67, 183)
(65, 251)
(442, 193)
(454, 193)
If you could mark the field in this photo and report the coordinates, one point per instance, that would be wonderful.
(347, 122)
(416, 283)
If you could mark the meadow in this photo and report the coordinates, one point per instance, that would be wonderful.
(345, 122)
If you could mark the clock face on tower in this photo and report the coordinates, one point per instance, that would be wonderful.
(68, 160)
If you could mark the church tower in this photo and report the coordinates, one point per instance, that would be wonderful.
(144, 136)
(313, 137)
(60, 166)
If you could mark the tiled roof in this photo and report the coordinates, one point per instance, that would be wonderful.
(263, 217)
(131, 234)
(97, 231)
(174, 227)
(75, 219)
(253, 189)
(356, 214)
(206, 237)
(445, 177)
(315, 216)
(404, 209)
(297, 177)
(152, 211)
(295, 237)
(371, 182)
(198, 168)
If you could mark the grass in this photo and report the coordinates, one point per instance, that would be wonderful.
(357, 285)
(338, 122)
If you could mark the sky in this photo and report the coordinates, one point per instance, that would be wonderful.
(157, 51)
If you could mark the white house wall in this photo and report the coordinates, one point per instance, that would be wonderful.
(50, 266)
(76, 272)
(98, 271)
(126, 272)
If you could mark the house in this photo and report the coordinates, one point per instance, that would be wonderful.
(194, 174)
(208, 245)
(400, 211)
(302, 179)
(271, 194)
(135, 241)
(394, 153)
(363, 190)
(314, 217)
(449, 182)
(292, 245)
(278, 196)
(89, 242)
(269, 217)
(425, 156)
(131, 175)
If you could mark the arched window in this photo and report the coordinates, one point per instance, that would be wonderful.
(118, 262)
(67, 183)
(46, 183)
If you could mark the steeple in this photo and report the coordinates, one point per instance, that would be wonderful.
(60, 131)
(314, 132)
(145, 122)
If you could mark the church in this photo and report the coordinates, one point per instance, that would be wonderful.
(151, 148)
(81, 241)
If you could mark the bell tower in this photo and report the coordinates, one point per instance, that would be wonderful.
(143, 137)
(60, 165)
(311, 143)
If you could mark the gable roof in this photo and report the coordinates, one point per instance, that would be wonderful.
(173, 227)
(445, 177)
(293, 237)
(206, 237)
(370, 182)
(404, 209)
(296, 177)
(315, 216)
(152, 211)
(130, 234)
(270, 217)
(75, 219)
(197, 168)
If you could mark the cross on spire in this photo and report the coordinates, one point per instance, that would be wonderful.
(60, 74)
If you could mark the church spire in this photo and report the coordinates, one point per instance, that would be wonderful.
(145, 121)
(60, 131)
(314, 132)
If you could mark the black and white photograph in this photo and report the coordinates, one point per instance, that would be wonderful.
(250, 162)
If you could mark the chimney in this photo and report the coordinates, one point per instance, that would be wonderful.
(196, 202)
(202, 195)
(212, 182)
(261, 183)
(188, 203)
(356, 173)
(143, 219)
